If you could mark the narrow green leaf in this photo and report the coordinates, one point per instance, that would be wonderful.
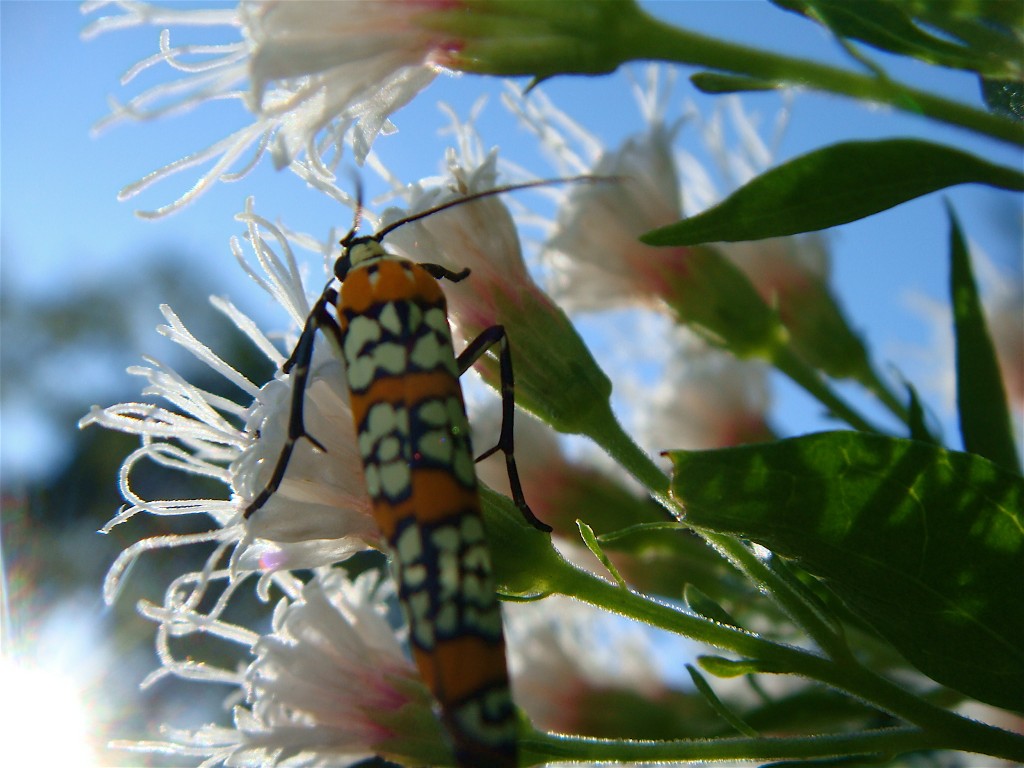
(702, 605)
(639, 528)
(916, 417)
(993, 27)
(719, 666)
(716, 83)
(673, 555)
(587, 534)
(718, 705)
(888, 26)
(1004, 97)
(985, 424)
(834, 185)
(812, 709)
(924, 544)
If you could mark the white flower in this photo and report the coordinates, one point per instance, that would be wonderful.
(1007, 331)
(321, 513)
(556, 378)
(562, 651)
(333, 678)
(329, 685)
(792, 275)
(705, 398)
(481, 236)
(597, 262)
(313, 74)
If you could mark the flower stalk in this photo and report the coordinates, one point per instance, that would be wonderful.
(598, 37)
(610, 435)
(944, 729)
(789, 363)
(542, 748)
(638, 31)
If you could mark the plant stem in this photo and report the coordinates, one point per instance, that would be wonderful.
(609, 434)
(541, 748)
(788, 362)
(803, 613)
(948, 730)
(604, 429)
(642, 36)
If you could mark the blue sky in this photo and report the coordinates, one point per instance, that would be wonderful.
(62, 226)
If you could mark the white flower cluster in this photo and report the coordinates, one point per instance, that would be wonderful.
(329, 683)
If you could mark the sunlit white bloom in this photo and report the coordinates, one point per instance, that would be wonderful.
(332, 678)
(1004, 318)
(791, 274)
(705, 398)
(563, 651)
(600, 264)
(597, 262)
(481, 236)
(556, 377)
(313, 75)
(781, 266)
(739, 147)
(329, 685)
(321, 513)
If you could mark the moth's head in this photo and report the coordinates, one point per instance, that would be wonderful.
(356, 251)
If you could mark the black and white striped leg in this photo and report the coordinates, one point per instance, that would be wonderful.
(495, 335)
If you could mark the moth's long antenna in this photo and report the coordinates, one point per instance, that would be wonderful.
(488, 193)
(358, 213)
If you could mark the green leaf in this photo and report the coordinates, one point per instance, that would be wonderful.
(892, 26)
(916, 417)
(587, 534)
(526, 565)
(924, 544)
(985, 424)
(1004, 97)
(814, 709)
(702, 605)
(715, 82)
(834, 185)
(671, 556)
(719, 666)
(718, 705)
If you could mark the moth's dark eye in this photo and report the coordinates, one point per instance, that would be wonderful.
(343, 265)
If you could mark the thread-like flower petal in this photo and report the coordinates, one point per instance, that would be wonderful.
(321, 513)
(329, 685)
(313, 75)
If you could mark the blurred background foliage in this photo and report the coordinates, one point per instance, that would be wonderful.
(57, 358)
